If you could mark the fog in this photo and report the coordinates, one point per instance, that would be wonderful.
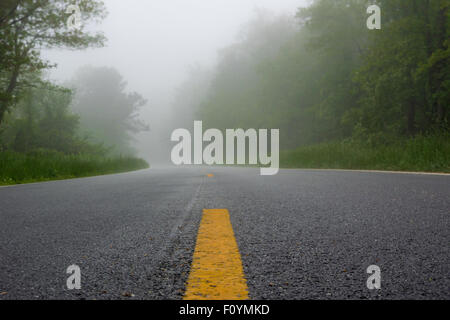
(153, 43)
(330, 76)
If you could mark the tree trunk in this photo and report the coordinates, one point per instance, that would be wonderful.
(411, 125)
(442, 36)
(6, 101)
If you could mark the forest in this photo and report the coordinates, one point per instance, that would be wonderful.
(53, 131)
(343, 96)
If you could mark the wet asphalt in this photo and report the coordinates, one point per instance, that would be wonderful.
(302, 234)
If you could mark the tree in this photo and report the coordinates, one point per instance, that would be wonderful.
(404, 82)
(299, 82)
(107, 112)
(27, 26)
(333, 79)
(232, 100)
(42, 120)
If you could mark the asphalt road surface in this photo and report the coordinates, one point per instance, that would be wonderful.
(302, 234)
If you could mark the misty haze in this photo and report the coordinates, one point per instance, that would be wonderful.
(158, 46)
(225, 150)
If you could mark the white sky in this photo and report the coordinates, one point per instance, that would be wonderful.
(157, 39)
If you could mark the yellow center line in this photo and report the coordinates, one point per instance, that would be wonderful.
(216, 272)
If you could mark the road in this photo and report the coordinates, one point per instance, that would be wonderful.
(302, 234)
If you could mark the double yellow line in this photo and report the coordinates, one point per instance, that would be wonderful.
(216, 271)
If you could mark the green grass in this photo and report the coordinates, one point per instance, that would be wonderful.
(17, 168)
(427, 154)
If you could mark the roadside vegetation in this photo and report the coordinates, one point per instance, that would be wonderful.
(17, 168)
(422, 153)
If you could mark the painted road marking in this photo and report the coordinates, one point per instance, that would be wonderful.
(370, 171)
(216, 272)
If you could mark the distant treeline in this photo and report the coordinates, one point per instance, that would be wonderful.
(92, 114)
(324, 77)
